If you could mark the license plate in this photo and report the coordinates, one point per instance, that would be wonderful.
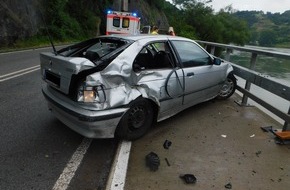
(52, 78)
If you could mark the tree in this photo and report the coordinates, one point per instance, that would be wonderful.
(267, 38)
(234, 30)
(270, 29)
(60, 24)
(223, 27)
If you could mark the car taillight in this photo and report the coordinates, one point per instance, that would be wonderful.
(89, 94)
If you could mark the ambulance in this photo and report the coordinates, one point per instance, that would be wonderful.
(122, 23)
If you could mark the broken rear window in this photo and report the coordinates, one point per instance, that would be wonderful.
(100, 47)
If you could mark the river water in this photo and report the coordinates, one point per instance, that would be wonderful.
(277, 69)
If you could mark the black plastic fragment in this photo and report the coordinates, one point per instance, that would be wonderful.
(167, 144)
(188, 178)
(267, 128)
(228, 186)
(167, 162)
(258, 153)
(152, 161)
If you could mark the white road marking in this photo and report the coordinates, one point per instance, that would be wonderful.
(18, 73)
(69, 171)
(119, 169)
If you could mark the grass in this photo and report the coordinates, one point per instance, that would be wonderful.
(33, 43)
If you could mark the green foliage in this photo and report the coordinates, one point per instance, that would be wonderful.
(267, 38)
(84, 15)
(74, 19)
(198, 19)
(36, 41)
(77, 20)
(188, 32)
(60, 24)
(177, 19)
(232, 29)
(251, 18)
(270, 29)
(159, 4)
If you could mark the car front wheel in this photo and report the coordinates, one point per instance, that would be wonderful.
(136, 121)
(228, 88)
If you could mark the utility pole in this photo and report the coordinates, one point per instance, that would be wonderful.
(124, 5)
(121, 5)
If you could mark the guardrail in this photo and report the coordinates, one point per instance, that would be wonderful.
(253, 77)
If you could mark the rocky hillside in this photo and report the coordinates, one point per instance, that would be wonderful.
(22, 19)
(18, 19)
(150, 14)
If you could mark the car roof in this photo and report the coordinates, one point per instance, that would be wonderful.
(144, 36)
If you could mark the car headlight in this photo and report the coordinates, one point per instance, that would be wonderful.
(89, 94)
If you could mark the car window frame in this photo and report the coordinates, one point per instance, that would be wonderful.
(151, 47)
(180, 62)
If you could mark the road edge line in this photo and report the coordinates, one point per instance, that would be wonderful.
(118, 172)
(69, 171)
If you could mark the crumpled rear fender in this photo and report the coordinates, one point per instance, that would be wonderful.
(121, 82)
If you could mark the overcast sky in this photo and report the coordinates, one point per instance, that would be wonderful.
(259, 5)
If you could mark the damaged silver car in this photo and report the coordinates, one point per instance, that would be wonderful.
(118, 86)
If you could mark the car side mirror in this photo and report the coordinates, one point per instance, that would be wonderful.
(217, 61)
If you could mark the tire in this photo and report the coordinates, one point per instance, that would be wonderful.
(228, 88)
(136, 121)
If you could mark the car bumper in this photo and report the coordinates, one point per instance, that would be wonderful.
(89, 123)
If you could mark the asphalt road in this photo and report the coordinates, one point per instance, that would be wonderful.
(35, 148)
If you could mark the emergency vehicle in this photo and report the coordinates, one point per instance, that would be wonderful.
(122, 23)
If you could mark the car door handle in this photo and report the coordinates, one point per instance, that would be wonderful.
(189, 74)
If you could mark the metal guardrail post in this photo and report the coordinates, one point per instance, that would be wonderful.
(286, 126)
(212, 50)
(228, 54)
(248, 84)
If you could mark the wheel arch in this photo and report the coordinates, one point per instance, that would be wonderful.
(231, 74)
(230, 87)
(123, 129)
(152, 102)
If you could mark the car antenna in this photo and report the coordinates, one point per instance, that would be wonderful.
(49, 36)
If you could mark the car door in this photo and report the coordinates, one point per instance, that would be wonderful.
(155, 68)
(202, 78)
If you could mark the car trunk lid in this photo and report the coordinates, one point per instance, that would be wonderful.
(58, 70)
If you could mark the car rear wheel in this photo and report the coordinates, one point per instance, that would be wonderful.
(136, 121)
(228, 88)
